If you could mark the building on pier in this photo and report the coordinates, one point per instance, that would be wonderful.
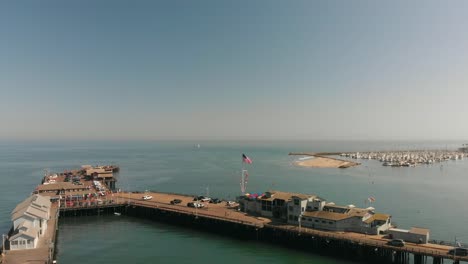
(29, 219)
(415, 234)
(60, 188)
(348, 219)
(313, 211)
(101, 173)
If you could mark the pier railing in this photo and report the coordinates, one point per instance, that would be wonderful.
(368, 241)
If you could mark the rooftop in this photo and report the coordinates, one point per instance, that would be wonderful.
(419, 230)
(59, 186)
(286, 196)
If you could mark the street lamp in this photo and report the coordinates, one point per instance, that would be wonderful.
(457, 245)
(3, 244)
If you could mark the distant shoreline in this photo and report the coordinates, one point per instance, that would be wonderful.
(323, 162)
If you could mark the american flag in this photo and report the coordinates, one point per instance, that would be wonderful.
(246, 159)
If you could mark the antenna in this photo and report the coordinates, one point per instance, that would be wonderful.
(243, 182)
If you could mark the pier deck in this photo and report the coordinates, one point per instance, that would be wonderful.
(222, 213)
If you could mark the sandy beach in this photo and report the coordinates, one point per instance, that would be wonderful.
(324, 162)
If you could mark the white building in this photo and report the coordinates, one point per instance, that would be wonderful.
(274, 204)
(347, 218)
(26, 237)
(313, 212)
(29, 222)
(415, 234)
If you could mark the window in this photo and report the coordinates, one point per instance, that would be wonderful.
(324, 222)
(295, 218)
(266, 206)
(331, 223)
(310, 219)
(316, 221)
(14, 243)
(296, 201)
(29, 241)
(303, 209)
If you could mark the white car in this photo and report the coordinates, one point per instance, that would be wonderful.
(195, 204)
(147, 197)
(205, 199)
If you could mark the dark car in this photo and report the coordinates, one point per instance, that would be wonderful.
(458, 251)
(215, 201)
(176, 201)
(396, 243)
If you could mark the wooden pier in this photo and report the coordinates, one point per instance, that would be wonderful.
(361, 247)
(227, 220)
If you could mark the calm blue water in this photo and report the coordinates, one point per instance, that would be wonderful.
(425, 196)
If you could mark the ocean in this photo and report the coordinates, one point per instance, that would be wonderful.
(431, 196)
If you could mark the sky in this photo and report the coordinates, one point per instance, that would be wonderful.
(228, 70)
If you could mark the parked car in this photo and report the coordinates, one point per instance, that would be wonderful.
(201, 198)
(215, 201)
(194, 204)
(205, 199)
(147, 197)
(396, 243)
(458, 251)
(176, 201)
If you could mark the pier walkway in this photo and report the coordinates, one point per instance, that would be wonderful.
(225, 213)
(219, 211)
(222, 214)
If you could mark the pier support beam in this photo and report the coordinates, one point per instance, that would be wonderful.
(418, 259)
(437, 260)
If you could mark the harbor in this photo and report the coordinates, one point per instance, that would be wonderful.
(394, 158)
(301, 221)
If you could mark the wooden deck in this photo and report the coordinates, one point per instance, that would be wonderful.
(222, 212)
(218, 211)
(225, 213)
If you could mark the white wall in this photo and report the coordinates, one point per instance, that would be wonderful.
(22, 243)
(23, 218)
(407, 236)
(295, 210)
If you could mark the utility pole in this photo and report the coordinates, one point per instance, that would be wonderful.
(299, 220)
(455, 249)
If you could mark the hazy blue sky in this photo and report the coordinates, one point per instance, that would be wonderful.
(233, 69)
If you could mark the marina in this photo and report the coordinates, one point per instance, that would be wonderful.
(274, 217)
(410, 158)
